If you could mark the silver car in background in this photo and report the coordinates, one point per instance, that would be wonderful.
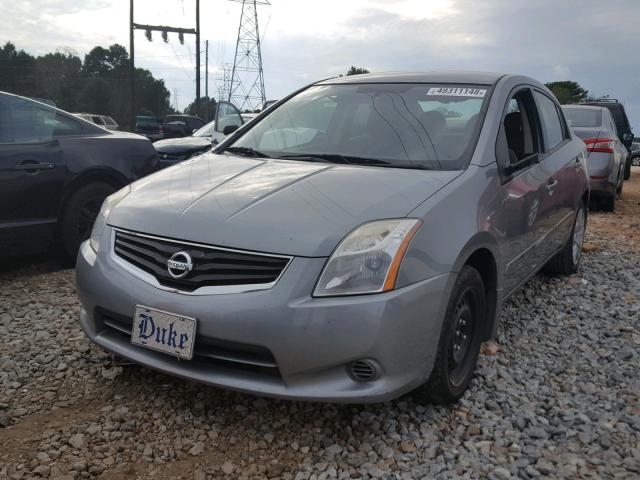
(103, 121)
(353, 242)
(606, 155)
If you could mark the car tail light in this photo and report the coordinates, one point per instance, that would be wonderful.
(161, 129)
(601, 145)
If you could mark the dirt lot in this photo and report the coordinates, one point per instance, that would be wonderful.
(560, 399)
(624, 224)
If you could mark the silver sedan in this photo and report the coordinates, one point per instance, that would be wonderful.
(606, 155)
(350, 244)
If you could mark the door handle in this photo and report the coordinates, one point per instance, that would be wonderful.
(551, 187)
(33, 166)
(578, 162)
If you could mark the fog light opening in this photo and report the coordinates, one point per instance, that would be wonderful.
(363, 370)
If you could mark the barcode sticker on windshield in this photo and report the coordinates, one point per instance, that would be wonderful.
(457, 92)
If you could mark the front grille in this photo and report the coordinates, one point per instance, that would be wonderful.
(211, 266)
(211, 353)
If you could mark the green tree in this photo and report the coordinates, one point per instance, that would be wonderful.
(17, 71)
(59, 77)
(356, 71)
(207, 105)
(568, 91)
(106, 61)
(99, 84)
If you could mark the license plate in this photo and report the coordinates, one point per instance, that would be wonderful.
(163, 331)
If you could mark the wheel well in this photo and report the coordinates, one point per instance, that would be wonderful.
(484, 262)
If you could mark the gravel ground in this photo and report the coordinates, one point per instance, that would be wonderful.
(560, 399)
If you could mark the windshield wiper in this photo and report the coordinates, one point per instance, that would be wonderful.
(314, 157)
(352, 160)
(246, 151)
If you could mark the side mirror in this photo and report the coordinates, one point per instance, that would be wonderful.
(229, 129)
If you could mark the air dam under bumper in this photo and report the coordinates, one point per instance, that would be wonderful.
(311, 340)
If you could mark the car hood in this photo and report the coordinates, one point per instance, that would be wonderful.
(275, 206)
(182, 145)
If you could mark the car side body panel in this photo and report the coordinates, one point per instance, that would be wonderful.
(32, 201)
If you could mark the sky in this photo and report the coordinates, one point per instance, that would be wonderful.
(588, 41)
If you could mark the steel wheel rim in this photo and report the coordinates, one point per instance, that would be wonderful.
(460, 346)
(578, 236)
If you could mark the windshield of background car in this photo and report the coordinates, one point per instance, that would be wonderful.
(583, 117)
(205, 131)
(431, 126)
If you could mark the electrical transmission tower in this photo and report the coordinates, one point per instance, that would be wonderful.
(246, 89)
(224, 81)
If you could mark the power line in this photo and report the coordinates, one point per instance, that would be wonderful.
(180, 62)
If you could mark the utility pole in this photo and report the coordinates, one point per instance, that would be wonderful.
(164, 32)
(206, 78)
(247, 81)
(132, 72)
(198, 110)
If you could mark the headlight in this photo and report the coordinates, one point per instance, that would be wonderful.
(368, 259)
(98, 226)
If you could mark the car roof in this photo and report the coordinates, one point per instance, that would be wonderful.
(445, 76)
(583, 107)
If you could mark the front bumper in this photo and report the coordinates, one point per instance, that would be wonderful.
(311, 340)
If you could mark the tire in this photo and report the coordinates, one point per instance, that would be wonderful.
(608, 204)
(627, 168)
(78, 216)
(567, 260)
(460, 339)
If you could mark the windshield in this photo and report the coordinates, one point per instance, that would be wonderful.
(398, 125)
(583, 117)
(205, 131)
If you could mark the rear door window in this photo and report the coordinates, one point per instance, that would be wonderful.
(63, 126)
(552, 129)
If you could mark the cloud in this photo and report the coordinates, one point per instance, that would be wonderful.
(305, 40)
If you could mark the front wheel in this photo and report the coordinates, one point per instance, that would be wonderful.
(567, 260)
(460, 339)
(79, 215)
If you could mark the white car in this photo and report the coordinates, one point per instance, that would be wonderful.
(103, 121)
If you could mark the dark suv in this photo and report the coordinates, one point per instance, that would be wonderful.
(622, 125)
(55, 171)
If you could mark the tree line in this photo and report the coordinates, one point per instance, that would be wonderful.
(99, 83)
